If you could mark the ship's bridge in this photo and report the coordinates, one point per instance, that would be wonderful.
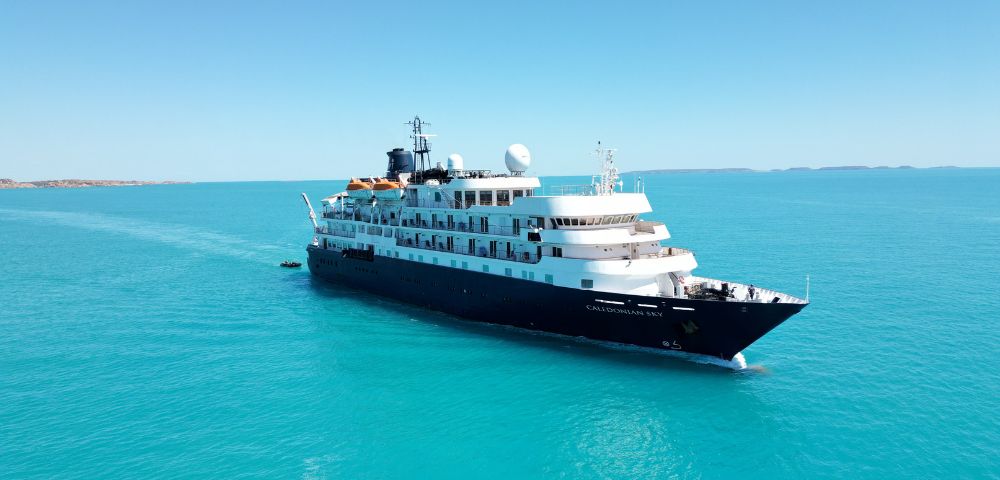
(466, 192)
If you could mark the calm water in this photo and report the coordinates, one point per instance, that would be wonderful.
(148, 332)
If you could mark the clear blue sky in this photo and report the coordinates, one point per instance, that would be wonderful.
(301, 90)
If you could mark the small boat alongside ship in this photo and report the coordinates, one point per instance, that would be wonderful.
(489, 247)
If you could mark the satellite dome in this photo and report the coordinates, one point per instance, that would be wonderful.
(518, 158)
(455, 162)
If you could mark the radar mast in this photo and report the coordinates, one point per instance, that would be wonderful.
(420, 146)
(609, 178)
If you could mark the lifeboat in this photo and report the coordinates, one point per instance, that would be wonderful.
(387, 190)
(359, 189)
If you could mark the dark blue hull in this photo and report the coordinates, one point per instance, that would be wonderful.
(715, 328)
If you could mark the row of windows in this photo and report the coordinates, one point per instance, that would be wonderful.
(525, 274)
(606, 220)
(509, 272)
(503, 197)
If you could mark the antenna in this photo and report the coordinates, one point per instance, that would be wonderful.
(420, 146)
(609, 174)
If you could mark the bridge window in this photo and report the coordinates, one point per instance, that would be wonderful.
(486, 197)
(518, 193)
(503, 197)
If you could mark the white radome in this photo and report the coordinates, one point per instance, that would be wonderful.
(518, 158)
(455, 162)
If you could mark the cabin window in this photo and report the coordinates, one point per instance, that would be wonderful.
(486, 197)
(503, 197)
(465, 265)
(454, 263)
(529, 193)
(420, 258)
(486, 268)
(518, 193)
(508, 272)
(434, 260)
(437, 196)
(548, 278)
(470, 198)
(556, 251)
(524, 274)
(586, 283)
(458, 198)
(531, 275)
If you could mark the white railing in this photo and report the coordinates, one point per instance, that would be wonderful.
(761, 295)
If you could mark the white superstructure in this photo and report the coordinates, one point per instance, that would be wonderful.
(585, 237)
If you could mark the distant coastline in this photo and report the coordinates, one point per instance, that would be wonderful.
(793, 169)
(6, 183)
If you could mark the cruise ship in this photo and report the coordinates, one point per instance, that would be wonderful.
(492, 247)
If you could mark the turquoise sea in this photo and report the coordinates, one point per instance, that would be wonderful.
(148, 332)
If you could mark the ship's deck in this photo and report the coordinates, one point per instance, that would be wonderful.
(702, 288)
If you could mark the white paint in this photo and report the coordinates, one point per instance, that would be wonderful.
(518, 158)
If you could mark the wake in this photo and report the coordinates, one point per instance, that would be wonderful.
(181, 236)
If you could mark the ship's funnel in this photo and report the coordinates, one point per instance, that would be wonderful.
(400, 161)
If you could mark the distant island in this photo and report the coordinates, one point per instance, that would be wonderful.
(793, 169)
(6, 183)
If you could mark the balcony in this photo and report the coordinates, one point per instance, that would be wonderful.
(463, 227)
(336, 232)
(522, 257)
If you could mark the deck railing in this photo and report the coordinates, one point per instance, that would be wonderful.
(761, 295)
(336, 232)
(482, 252)
(463, 227)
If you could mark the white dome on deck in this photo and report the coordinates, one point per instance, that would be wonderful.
(455, 162)
(518, 158)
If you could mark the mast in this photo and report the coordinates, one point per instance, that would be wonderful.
(609, 173)
(421, 148)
